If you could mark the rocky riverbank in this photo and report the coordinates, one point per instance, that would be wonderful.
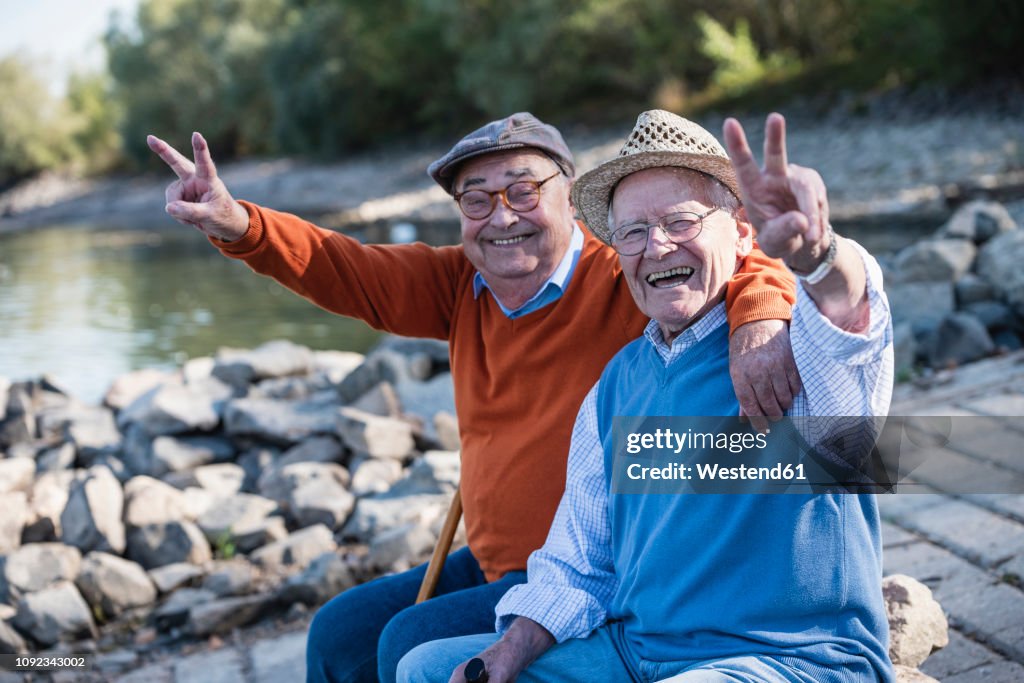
(195, 502)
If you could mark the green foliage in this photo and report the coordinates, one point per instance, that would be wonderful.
(35, 128)
(224, 548)
(95, 117)
(738, 62)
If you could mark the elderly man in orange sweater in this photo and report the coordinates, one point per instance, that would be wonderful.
(514, 301)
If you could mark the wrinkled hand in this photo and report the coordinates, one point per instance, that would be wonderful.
(500, 662)
(763, 370)
(787, 204)
(198, 197)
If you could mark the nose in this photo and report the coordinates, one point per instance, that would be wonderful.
(658, 243)
(503, 217)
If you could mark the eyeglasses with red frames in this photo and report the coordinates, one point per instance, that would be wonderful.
(521, 196)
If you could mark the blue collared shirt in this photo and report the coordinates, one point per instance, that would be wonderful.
(553, 287)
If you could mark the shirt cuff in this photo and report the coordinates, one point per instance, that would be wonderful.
(250, 241)
(565, 612)
(843, 346)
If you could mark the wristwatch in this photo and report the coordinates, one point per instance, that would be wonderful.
(825, 267)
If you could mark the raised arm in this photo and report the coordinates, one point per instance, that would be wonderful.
(198, 197)
(788, 206)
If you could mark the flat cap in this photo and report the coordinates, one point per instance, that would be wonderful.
(512, 132)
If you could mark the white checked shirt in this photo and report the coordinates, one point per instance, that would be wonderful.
(571, 579)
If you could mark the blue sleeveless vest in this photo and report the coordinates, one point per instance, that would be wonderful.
(712, 576)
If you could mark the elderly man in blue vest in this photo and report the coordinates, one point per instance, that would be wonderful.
(704, 588)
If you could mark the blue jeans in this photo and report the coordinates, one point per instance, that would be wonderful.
(597, 658)
(362, 633)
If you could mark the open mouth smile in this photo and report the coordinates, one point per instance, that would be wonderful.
(672, 277)
(510, 240)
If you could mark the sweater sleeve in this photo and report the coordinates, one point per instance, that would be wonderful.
(762, 289)
(407, 289)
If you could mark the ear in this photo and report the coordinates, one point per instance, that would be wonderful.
(744, 234)
(569, 182)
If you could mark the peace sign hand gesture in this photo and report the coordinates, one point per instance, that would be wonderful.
(787, 204)
(198, 197)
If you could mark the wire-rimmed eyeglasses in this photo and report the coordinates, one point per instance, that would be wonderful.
(679, 227)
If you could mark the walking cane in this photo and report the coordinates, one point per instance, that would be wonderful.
(444, 544)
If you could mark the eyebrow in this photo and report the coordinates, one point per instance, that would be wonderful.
(512, 173)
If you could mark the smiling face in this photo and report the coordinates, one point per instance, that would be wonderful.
(517, 252)
(676, 284)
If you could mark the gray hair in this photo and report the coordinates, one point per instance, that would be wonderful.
(709, 189)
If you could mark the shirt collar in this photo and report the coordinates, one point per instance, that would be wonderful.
(560, 278)
(700, 329)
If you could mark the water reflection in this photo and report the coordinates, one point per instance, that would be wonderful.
(87, 304)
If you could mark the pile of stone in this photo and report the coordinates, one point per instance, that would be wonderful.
(917, 626)
(196, 501)
(958, 296)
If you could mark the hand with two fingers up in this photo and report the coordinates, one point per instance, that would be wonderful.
(198, 197)
(787, 204)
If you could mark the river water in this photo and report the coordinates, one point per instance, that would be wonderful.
(86, 304)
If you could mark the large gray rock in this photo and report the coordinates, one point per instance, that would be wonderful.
(57, 458)
(447, 428)
(94, 434)
(376, 514)
(999, 262)
(50, 493)
(241, 510)
(37, 566)
(224, 615)
(12, 521)
(433, 472)
(16, 474)
(424, 400)
(156, 545)
(935, 260)
(298, 549)
(277, 483)
(281, 422)
(92, 518)
(54, 614)
(978, 221)
(170, 577)
(180, 454)
(372, 475)
(221, 481)
(376, 436)
(279, 358)
(255, 462)
(228, 578)
(17, 428)
(917, 302)
(151, 501)
(174, 612)
(960, 338)
(993, 315)
(917, 626)
(972, 288)
(113, 584)
(130, 386)
(383, 365)
(11, 642)
(176, 409)
(136, 450)
(323, 501)
(249, 537)
(325, 577)
(401, 548)
(316, 449)
(336, 365)
(381, 400)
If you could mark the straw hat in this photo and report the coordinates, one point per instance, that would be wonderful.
(659, 138)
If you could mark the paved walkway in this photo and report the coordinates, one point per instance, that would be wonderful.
(968, 549)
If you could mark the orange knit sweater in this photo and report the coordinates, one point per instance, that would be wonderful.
(518, 383)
